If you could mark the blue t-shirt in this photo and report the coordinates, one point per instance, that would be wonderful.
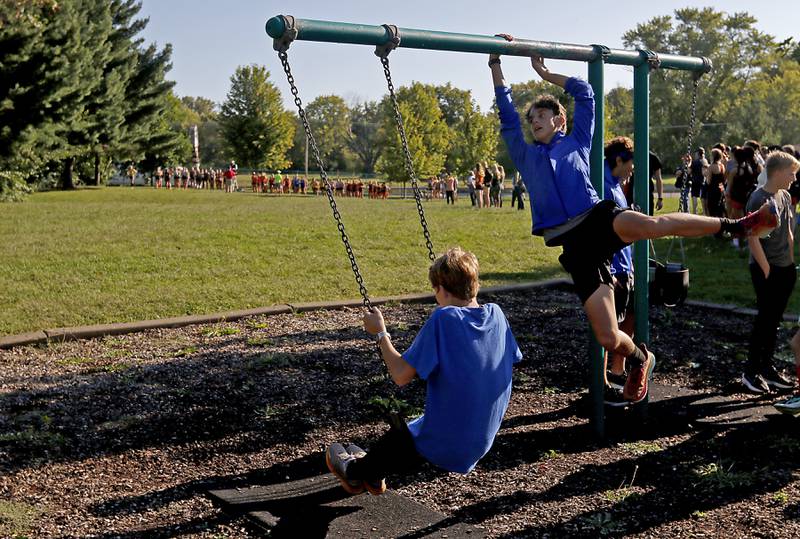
(622, 262)
(465, 354)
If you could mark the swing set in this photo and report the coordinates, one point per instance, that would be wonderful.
(285, 29)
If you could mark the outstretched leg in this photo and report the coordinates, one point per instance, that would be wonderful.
(633, 226)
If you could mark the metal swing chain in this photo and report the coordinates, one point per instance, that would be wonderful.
(328, 188)
(690, 135)
(683, 201)
(408, 161)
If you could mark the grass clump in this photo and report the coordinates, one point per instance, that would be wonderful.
(17, 519)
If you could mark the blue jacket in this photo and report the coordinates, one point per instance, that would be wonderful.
(622, 261)
(555, 174)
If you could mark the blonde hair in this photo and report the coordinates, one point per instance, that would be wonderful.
(457, 272)
(779, 161)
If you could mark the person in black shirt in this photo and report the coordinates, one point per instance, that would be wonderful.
(656, 185)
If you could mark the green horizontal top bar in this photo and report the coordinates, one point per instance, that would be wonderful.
(362, 34)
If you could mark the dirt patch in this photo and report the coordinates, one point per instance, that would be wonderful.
(123, 436)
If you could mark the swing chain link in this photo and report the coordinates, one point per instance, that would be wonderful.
(408, 161)
(689, 138)
(328, 188)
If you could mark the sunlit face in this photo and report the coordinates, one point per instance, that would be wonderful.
(784, 177)
(544, 124)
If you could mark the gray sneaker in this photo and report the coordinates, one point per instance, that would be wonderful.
(755, 383)
(775, 379)
(791, 406)
(376, 487)
(337, 458)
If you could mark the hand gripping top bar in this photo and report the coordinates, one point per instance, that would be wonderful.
(377, 35)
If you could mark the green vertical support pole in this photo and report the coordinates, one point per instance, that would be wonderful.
(596, 352)
(641, 192)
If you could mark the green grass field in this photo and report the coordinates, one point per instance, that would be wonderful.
(119, 254)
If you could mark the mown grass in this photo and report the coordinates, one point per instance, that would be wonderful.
(119, 254)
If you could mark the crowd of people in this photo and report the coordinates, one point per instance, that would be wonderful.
(723, 185)
(194, 178)
(279, 184)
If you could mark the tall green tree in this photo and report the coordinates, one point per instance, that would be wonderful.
(329, 117)
(473, 136)
(256, 128)
(426, 131)
(619, 113)
(738, 51)
(364, 135)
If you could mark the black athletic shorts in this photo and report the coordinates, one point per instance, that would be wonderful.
(588, 249)
(623, 294)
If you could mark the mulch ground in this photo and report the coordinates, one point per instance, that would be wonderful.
(124, 436)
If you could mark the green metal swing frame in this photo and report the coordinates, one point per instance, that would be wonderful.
(289, 29)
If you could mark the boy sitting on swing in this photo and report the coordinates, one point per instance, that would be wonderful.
(566, 210)
(464, 352)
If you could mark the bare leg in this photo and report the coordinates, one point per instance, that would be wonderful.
(632, 226)
(618, 360)
(599, 309)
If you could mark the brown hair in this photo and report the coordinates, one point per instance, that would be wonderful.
(457, 272)
(781, 160)
(549, 102)
(618, 147)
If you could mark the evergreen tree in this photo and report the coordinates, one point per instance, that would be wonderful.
(255, 127)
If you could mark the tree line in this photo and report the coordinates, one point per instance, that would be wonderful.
(80, 91)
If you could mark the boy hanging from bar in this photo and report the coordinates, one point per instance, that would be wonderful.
(566, 210)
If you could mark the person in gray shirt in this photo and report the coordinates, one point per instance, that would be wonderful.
(773, 273)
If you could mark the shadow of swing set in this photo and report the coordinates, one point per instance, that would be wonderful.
(667, 282)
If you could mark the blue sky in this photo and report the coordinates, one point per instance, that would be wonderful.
(211, 38)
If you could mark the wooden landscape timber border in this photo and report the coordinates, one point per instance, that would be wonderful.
(88, 332)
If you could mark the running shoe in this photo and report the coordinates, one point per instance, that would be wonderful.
(376, 487)
(612, 396)
(775, 379)
(616, 380)
(790, 406)
(338, 459)
(762, 221)
(755, 383)
(638, 383)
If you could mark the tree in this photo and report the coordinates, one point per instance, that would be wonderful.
(255, 127)
(151, 134)
(473, 136)
(738, 51)
(619, 113)
(365, 133)
(426, 131)
(31, 86)
(329, 118)
(208, 130)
